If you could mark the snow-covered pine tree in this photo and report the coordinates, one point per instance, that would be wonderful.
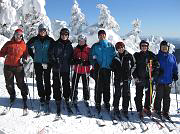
(105, 18)
(78, 21)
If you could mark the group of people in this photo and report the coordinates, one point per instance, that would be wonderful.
(60, 58)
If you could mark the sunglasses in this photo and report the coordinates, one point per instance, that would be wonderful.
(144, 45)
(18, 36)
(64, 34)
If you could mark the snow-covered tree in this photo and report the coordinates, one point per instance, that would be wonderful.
(78, 21)
(105, 18)
(31, 14)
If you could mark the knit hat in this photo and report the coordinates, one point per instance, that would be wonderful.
(101, 32)
(42, 27)
(119, 45)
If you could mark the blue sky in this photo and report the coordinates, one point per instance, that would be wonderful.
(158, 17)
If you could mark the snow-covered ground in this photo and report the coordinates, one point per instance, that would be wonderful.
(15, 123)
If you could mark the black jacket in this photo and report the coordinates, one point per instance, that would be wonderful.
(142, 59)
(122, 66)
(60, 55)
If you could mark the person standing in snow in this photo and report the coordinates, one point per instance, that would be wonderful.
(14, 52)
(81, 68)
(101, 56)
(60, 55)
(141, 77)
(168, 72)
(122, 66)
(38, 49)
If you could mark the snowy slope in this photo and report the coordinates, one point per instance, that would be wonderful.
(15, 123)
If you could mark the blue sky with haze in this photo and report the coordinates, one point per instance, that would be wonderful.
(158, 17)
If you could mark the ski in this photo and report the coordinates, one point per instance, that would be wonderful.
(112, 117)
(168, 124)
(40, 111)
(7, 109)
(58, 117)
(143, 125)
(100, 121)
(119, 118)
(130, 125)
(25, 112)
(159, 125)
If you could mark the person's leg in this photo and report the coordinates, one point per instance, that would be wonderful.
(86, 91)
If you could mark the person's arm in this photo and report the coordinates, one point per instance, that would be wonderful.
(3, 51)
(30, 46)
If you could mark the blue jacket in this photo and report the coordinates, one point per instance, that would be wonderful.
(169, 66)
(104, 52)
(38, 48)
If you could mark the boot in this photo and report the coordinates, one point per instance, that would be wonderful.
(25, 104)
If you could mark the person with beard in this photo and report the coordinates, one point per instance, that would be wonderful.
(142, 78)
(38, 49)
(81, 68)
(60, 55)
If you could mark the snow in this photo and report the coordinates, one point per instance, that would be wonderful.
(14, 122)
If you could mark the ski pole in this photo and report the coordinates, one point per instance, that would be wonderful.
(75, 81)
(176, 97)
(129, 88)
(33, 81)
(87, 80)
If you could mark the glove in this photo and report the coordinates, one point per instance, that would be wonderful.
(23, 61)
(86, 63)
(175, 77)
(78, 61)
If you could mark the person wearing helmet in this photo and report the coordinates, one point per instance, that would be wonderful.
(60, 55)
(122, 66)
(81, 68)
(141, 77)
(168, 73)
(101, 56)
(38, 49)
(13, 51)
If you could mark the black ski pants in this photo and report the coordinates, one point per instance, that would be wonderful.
(18, 72)
(57, 92)
(123, 90)
(85, 82)
(103, 86)
(43, 81)
(139, 97)
(162, 93)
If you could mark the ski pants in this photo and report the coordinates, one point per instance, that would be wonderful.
(162, 93)
(57, 92)
(103, 86)
(85, 82)
(43, 80)
(139, 97)
(18, 72)
(125, 91)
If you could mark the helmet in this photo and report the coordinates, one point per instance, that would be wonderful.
(82, 37)
(42, 27)
(64, 31)
(143, 42)
(119, 45)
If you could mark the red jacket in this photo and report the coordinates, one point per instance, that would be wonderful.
(13, 51)
(82, 52)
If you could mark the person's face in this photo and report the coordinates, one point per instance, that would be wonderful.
(164, 48)
(64, 36)
(18, 37)
(43, 32)
(121, 49)
(102, 36)
(82, 42)
(144, 47)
